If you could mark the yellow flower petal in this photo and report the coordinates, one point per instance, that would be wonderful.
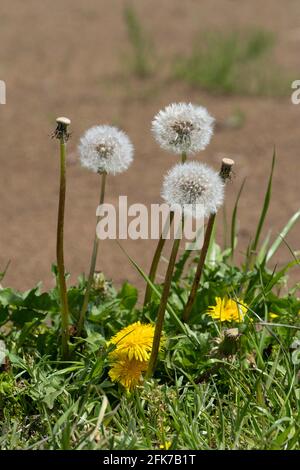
(134, 341)
(166, 445)
(127, 372)
(228, 310)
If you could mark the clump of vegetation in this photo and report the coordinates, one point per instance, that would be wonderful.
(142, 57)
(233, 63)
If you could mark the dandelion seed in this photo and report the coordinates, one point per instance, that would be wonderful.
(183, 128)
(195, 187)
(128, 372)
(228, 310)
(105, 149)
(134, 342)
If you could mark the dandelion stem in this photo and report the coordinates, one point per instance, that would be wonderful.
(162, 307)
(93, 262)
(225, 173)
(158, 252)
(192, 296)
(156, 258)
(62, 134)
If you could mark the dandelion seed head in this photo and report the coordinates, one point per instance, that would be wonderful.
(195, 187)
(183, 128)
(105, 149)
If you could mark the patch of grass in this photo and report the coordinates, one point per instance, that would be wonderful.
(141, 60)
(233, 63)
(204, 396)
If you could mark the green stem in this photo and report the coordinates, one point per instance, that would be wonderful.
(155, 261)
(225, 173)
(158, 252)
(196, 282)
(60, 252)
(162, 309)
(93, 263)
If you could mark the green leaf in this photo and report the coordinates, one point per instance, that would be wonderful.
(2, 274)
(265, 206)
(263, 250)
(25, 315)
(4, 314)
(179, 266)
(36, 301)
(234, 218)
(128, 296)
(50, 396)
(10, 297)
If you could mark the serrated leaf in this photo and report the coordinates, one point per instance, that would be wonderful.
(25, 315)
(128, 296)
(10, 297)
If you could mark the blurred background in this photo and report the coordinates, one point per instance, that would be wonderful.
(119, 62)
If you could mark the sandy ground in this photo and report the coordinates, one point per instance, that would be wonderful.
(67, 58)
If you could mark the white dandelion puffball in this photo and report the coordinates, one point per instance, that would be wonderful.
(196, 188)
(183, 128)
(105, 149)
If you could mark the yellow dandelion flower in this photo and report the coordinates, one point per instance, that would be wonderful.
(166, 445)
(228, 310)
(273, 315)
(127, 372)
(134, 341)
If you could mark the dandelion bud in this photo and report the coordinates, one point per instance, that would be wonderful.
(195, 187)
(183, 128)
(229, 342)
(105, 149)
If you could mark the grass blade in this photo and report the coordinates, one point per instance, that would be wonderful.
(183, 328)
(233, 219)
(282, 235)
(265, 206)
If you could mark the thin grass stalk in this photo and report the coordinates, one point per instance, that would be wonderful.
(233, 221)
(162, 307)
(250, 261)
(225, 173)
(93, 262)
(158, 251)
(62, 134)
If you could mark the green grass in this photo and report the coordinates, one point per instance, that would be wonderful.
(217, 385)
(205, 395)
(141, 52)
(233, 63)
